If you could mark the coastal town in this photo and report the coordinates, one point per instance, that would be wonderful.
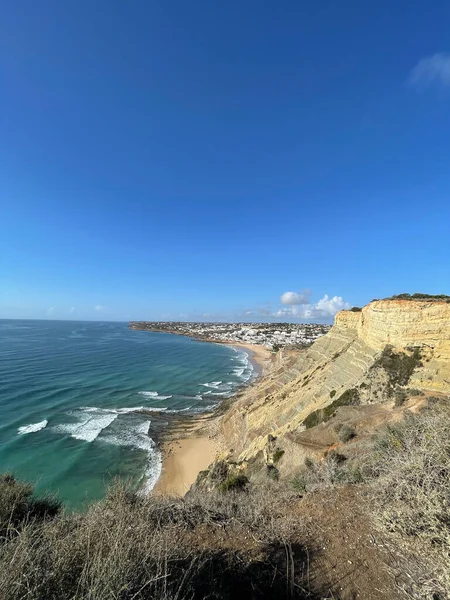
(270, 335)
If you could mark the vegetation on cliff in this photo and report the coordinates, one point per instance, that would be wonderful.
(419, 296)
(403, 476)
(246, 537)
(225, 544)
(349, 398)
(335, 484)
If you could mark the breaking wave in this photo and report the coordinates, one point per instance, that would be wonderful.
(90, 423)
(154, 395)
(136, 435)
(212, 384)
(32, 428)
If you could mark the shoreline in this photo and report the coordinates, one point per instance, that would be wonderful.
(259, 355)
(194, 449)
(182, 461)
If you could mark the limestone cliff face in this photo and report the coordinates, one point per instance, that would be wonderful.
(404, 323)
(339, 361)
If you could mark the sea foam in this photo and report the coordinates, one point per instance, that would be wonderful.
(212, 384)
(137, 436)
(154, 395)
(32, 428)
(91, 422)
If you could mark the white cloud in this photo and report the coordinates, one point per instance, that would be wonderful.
(50, 310)
(294, 298)
(330, 306)
(98, 307)
(72, 310)
(432, 69)
(325, 308)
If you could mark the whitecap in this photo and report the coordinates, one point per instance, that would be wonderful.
(178, 410)
(165, 409)
(91, 422)
(154, 395)
(32, 428)
(212, 384)
(124, 411)
(137, 436)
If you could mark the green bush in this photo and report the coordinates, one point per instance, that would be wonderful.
(277, 455)
(419, 296)
(299, 483)
(398, 366)
(415, 392)
(332, 393)
(349, 398)
(233, 482)
(313, 419)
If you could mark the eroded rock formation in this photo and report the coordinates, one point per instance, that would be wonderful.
(389, 344)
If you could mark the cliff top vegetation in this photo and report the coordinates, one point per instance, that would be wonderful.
(253, 540)
(419, 296)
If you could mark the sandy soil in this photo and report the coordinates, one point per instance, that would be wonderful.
(182, 461)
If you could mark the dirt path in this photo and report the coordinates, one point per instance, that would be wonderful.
(348, 558)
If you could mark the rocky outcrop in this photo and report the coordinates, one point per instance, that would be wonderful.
(349, 357)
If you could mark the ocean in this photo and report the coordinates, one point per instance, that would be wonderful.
(76, 400)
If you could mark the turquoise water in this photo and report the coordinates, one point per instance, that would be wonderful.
(76, 400)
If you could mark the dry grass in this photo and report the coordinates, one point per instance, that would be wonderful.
(217, 545)
(327, 473)
(240, 543)
(406, 472)
(411, 496)
(19, 508)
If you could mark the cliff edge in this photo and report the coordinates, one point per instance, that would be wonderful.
(367, 357)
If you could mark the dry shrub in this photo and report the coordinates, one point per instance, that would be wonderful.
(321, 475)
(346, 433)
(129, 547)
(18, 506)
(411, 495)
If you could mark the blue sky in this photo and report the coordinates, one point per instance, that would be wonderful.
(164, 160)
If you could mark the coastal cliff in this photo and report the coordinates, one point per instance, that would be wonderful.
(333, 481)
(352, 356)
(357, 426)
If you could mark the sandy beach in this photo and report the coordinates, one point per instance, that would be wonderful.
(192, 452)
(182, 461)
(259, 354)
